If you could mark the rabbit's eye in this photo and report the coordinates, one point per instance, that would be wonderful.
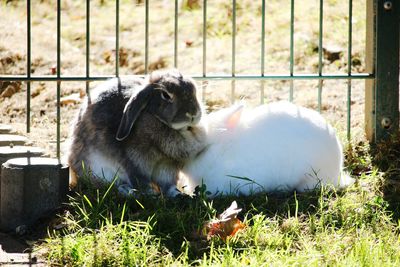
(167, 96)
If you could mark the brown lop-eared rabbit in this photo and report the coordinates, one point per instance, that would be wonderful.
(142, 130)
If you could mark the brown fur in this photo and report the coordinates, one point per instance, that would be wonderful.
(148, 127)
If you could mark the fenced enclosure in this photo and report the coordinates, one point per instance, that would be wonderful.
(233, 45)
(338, 57)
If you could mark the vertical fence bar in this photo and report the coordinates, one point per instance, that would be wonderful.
(88, 49)
(204, 38)
(262, 92)
(233, 83)
(233, 37)
(382, 58)
(291, 48)
(176, 35)
(349, 51)
(146, 52)
(320, 52)
(117, 38)
(28, 66)
(262, 51)
(58, 74)
(204, 48)
(263, 38)
(369, 112)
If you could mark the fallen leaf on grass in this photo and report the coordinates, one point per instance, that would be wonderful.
(226, 225)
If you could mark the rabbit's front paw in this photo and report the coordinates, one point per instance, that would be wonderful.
(126, 190)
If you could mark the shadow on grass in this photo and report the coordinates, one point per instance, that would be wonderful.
(178, 222)
(181, 219)
(386, 157)
(383, 158)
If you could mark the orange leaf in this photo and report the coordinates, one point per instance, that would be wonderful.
(227, 225)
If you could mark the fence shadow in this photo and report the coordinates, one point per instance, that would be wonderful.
(386, 158)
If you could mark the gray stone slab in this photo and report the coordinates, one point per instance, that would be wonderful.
(34, 162)
(5, 129)
(12, 139)
(10, 152)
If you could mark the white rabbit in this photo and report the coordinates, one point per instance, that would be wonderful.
(279, 147)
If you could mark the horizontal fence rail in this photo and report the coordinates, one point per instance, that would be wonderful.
(52, 78)
(233, 76)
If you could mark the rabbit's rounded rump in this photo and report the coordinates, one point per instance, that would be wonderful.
(273, 147)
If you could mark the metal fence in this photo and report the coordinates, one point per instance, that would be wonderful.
(382, 51)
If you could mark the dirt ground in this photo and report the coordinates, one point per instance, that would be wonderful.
(214, 94)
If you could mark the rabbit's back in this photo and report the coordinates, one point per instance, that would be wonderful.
(279, 146)
(92, 141)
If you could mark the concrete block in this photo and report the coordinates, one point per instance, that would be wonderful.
(10, 152)
(12, 139)
(5, 129)
(30, 188)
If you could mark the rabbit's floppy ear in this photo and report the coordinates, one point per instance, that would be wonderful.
(132, 111)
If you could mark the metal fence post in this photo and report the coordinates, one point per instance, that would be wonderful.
(382, 59)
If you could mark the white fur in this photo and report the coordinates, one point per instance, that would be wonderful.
(279, 146)
(105, 169)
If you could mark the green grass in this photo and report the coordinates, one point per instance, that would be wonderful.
(354, 227)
